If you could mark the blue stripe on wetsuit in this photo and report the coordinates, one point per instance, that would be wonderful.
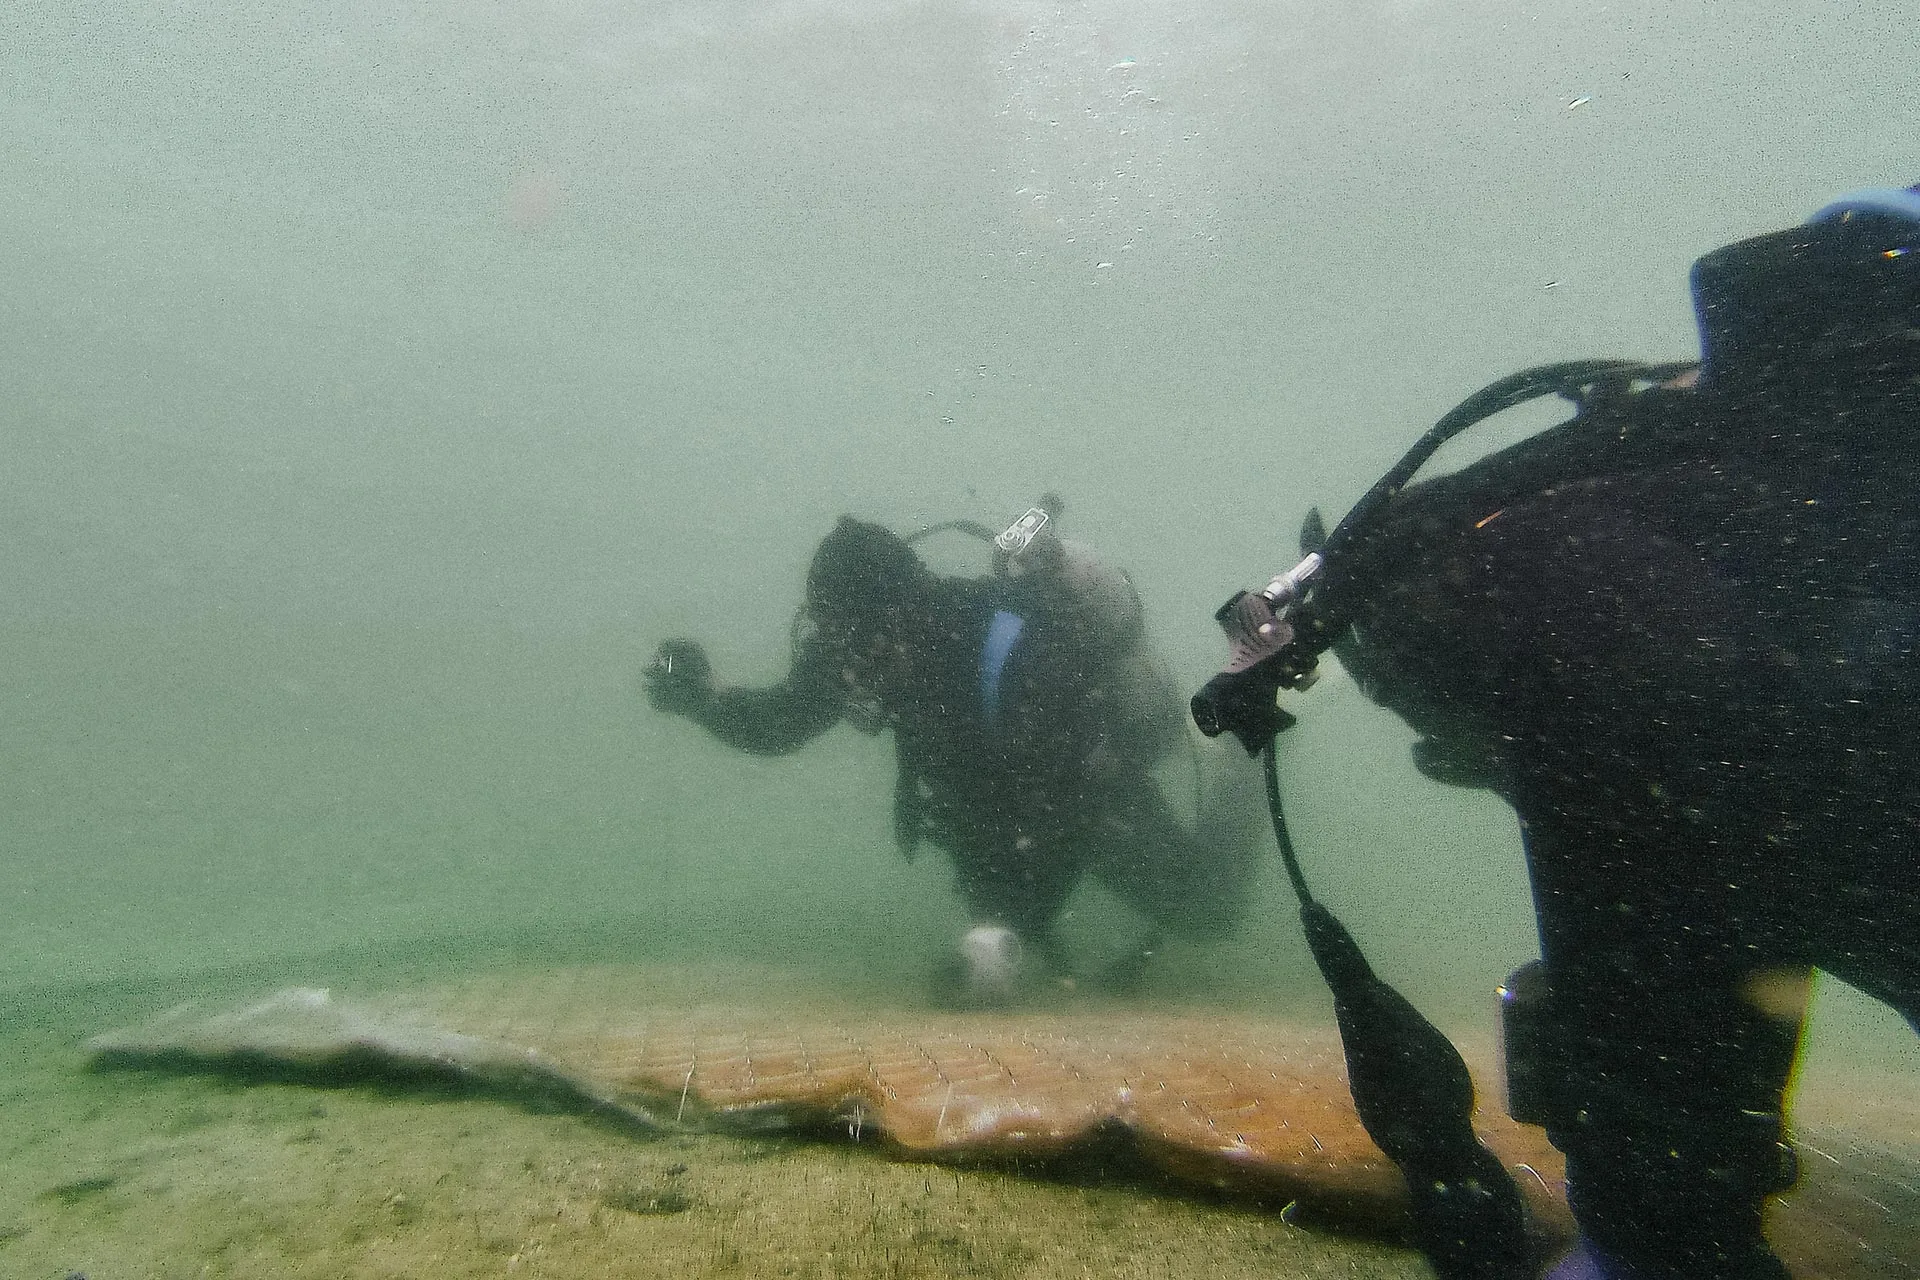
(1002, 634)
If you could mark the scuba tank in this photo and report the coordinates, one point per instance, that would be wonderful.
(1065, 586)
(1073, 577)
(1062, 580)
(1097, 603)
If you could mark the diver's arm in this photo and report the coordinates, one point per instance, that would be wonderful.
(767, 722)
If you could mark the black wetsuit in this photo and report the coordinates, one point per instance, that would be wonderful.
(1028, 780)
(1679, 636)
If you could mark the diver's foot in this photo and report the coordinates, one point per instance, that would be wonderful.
(987, 972)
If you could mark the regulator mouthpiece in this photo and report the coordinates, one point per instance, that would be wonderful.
(1241, 699)
(1256, 621)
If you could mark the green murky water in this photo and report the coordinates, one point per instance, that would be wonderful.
(383, 380)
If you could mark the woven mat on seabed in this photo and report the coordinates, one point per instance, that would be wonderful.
(1219, 1099)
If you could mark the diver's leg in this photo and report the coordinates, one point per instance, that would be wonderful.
(1669, 1066)
(1193, 884)
(1017, 880)
(1014, 886)
(1124, 974)
(1674, 1136)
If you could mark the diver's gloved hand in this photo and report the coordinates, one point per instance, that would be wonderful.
(679, 680)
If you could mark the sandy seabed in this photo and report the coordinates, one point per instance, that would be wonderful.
(155, 1175)
(134, 1174)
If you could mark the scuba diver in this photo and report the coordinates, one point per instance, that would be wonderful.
(1029, 713)
(1677, 633)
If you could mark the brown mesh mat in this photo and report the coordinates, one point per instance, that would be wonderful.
(1223, 1100)
(1229, 1101)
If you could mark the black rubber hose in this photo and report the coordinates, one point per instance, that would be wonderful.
(1496, 397)
(1415, 1098)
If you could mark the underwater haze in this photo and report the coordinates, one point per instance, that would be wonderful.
(385, 380)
